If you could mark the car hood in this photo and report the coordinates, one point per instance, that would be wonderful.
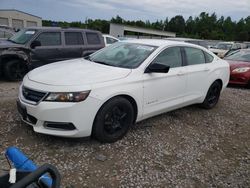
(237, 64)
(76, 72)
(8, 44)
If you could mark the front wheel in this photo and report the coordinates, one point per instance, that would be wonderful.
(113, 120)
(212, 96)
(15, 70)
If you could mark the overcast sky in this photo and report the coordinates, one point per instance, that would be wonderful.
(79, 10)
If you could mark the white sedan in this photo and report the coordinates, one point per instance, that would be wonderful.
(105, 93)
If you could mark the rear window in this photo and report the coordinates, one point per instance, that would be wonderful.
(73, 38)
(209, 58)
(93, 38)
(194, 56)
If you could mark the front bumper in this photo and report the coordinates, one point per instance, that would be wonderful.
(81, 115)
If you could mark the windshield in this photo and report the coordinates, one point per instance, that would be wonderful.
(22, 36)
(224, 46)
(123, 54)
(240, 55)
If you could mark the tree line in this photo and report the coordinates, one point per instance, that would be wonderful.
(204, 26)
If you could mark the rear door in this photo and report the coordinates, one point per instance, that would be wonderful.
(73, 45)
(197, 73)
(95, 42)
(50, 49)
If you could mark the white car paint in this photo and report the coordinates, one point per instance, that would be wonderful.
(154, 93)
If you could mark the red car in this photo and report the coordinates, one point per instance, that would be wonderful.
(239, 67)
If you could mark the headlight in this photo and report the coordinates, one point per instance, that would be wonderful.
(241, 69)
(67, 97)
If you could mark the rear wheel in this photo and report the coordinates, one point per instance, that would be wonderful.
(113, 120)
(14, 70)
(212, 96)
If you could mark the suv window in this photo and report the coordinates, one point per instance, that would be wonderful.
(73, 38)
(194, 56)
(170, 56)
(110, 40)
(93, 38)
(49, 38)
(209, 58)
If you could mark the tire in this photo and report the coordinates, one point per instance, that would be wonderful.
(15, 70)
(113, 120)
(212, 96)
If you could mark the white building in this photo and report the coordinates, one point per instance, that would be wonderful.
(18, 19)
(118, 30)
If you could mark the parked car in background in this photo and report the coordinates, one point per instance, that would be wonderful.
(248, 44)
(199, 42)
(239, 67)
(222, 48)
(34, 47)
(104, 94)
(108, 40)
(6, 33)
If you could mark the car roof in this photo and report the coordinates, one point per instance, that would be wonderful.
(60, 28)
(159, 42)
(183, 39)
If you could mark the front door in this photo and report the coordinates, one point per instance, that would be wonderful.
(165, 91)
(49, 51)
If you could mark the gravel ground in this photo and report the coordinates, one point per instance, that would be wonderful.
(190, 147)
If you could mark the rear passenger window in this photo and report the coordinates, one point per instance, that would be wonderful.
(194, 56)
(93, 38)
(73, 38)
(170, 57)
(50, 39)
(209, 58)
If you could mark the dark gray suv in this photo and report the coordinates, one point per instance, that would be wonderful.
(34, 47)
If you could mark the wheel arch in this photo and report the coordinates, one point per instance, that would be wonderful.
(219, 81)
(127, 97)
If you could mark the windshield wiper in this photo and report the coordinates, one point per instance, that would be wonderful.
(101, 62)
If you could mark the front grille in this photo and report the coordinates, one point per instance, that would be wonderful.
(32, 95)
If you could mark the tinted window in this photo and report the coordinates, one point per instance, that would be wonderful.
(209, 58)
(50, 39)
(93, 38)
(73, 38)
(110, 40)
(194, 56)
(170, 57)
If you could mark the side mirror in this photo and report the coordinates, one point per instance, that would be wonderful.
(157, 68)
(35, 43)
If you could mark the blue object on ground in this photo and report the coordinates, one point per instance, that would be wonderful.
(22, 162)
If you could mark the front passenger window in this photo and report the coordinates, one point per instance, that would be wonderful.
(170, 57)
(50, 38)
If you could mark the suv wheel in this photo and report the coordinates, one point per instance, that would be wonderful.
(212, 96)
(113, 120)
(14, 70)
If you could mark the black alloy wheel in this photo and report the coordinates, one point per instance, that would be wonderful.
(113, 120)
(212, 96)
